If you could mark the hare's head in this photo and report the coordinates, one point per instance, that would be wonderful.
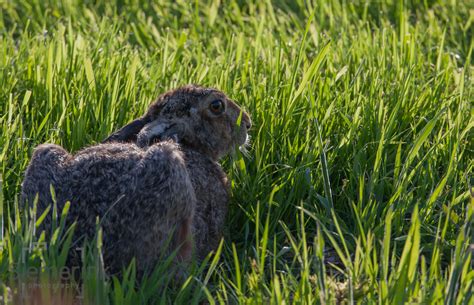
(203, 119)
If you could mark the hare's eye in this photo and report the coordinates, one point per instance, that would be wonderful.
(217, 106)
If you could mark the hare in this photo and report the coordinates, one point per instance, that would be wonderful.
(162, 191)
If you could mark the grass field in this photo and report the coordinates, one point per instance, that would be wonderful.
(356, 188)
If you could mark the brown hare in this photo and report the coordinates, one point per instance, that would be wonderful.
(162, 190)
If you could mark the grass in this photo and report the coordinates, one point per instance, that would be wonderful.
(357, 185)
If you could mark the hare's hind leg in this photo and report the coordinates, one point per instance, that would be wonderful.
(45, 169)
(167, 203)
(184, 239)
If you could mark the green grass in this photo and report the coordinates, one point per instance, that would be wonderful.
(362, 145)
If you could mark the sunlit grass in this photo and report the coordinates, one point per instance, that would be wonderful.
(361, 150)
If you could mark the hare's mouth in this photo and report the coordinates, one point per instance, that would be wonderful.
(245, 145)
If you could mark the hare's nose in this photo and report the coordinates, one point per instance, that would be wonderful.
(246, 120)
(247, 123)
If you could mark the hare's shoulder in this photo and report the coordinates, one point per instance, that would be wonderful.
(206, 174)
(200, 163)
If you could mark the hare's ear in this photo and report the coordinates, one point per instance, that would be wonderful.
(161, 130)
(127, 133)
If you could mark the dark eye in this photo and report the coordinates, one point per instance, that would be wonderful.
(217, 106)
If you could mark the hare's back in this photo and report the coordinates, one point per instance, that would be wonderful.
(100, 174)
(110, 152)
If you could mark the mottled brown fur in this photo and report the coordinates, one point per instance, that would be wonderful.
(141, 196)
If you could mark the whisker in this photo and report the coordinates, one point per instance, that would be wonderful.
(244, 148)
